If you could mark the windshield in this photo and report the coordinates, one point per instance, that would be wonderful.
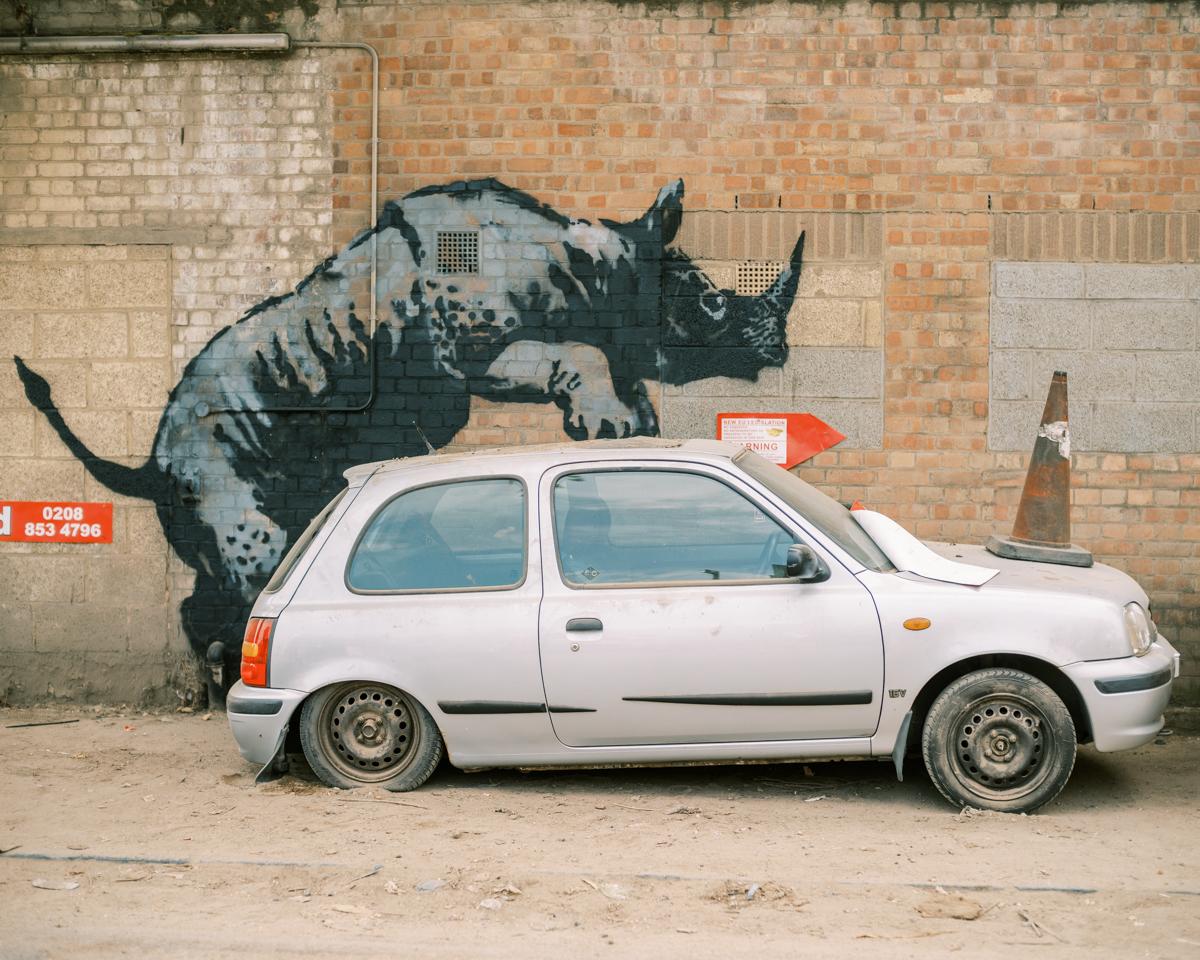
(824, 513)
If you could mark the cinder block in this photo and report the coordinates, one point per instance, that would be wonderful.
(1145, 324)
(1091, 374)
(861, 421)
(1061, 324)
(835, 373)
(16, 626)
(770, 383)
(1013, 425)
(840, 280)
(16, 336)
(40, 286)
(52, 480)
(825, 323)
(1168, 376)
(131, 384)
(1009, 375)
(143, 427)
(1132, 281)
(150, 629)
(16, 433)
(130, 581)
(149, 334)
(1038, 280)
(53, 578)
(133, 283)
(691, 417)
(106, 434)
(1143, 428)
(83, 335)
(80, 627)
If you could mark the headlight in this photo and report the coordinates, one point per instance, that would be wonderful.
(1139, 628)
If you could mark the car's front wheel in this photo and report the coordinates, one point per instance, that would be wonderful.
(369, 734)
(999, 739)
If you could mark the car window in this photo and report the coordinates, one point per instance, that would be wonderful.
(449, 536)
(658, 526)
(292, 557)
(823, 512)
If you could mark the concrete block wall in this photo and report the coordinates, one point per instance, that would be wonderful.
(1126, 334)
(85, 621)
(925, 148)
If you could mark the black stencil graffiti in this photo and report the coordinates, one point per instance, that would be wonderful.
(256, 434)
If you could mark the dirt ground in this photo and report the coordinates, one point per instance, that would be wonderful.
(133, 834)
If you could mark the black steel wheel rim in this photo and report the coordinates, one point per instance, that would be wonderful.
(1001, 748)
(369, 732)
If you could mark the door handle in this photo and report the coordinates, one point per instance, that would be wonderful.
(584, 625)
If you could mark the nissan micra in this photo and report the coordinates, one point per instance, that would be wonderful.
(657, 602)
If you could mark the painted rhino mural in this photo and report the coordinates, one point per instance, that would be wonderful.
(256, 434)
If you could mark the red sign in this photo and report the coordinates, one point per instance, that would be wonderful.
(36, 521)
(783, 438)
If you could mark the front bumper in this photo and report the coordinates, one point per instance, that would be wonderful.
(1130, 713)
(259, 717)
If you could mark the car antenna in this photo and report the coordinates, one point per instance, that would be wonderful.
(428, 445)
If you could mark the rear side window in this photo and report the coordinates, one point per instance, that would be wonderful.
(292, 557)
(468, 535)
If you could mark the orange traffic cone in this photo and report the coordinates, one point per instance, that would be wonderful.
(1043, 527)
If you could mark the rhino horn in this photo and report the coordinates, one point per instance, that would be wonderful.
(779, 295)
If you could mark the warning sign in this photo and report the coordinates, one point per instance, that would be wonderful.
(783, 438)
(37, 521)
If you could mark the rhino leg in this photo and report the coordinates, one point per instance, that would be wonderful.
(577, 377)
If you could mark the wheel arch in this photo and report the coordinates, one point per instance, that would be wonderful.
(1048, 673)
(292, 741)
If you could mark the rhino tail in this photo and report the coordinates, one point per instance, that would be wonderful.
(145, 482)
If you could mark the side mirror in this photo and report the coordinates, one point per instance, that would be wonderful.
(804, 565)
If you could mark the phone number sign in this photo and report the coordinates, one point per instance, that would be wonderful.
(39, 521)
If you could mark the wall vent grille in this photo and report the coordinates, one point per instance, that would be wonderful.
(755, 276)
(457, 251)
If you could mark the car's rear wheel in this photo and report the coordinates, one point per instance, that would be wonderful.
(369, 734)
(999, 739)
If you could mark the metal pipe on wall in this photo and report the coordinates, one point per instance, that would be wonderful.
(149, 43)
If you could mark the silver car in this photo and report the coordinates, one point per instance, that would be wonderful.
(650, 602)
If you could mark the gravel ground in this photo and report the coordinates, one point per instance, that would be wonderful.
(133, 834)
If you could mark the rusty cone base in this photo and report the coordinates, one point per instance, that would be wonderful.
(1042, 531)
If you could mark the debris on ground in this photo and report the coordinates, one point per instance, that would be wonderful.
(43, 884)
(429, 886)
(736, 894)
(491, 903)
(950, 907)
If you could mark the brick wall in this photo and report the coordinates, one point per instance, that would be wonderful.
(932, 153)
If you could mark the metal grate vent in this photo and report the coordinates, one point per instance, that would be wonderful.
(755, 276)
(457, 251)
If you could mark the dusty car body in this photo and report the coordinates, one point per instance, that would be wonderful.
(651, 602)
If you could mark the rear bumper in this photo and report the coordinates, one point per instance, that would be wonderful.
(259, 717)
(1125, 698)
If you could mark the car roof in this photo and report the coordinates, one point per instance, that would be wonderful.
(553, 452)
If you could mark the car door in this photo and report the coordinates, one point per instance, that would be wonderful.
(667, 616)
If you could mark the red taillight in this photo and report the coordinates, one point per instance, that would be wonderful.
(254, 651)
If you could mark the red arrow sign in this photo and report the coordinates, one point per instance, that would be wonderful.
(783, 438)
